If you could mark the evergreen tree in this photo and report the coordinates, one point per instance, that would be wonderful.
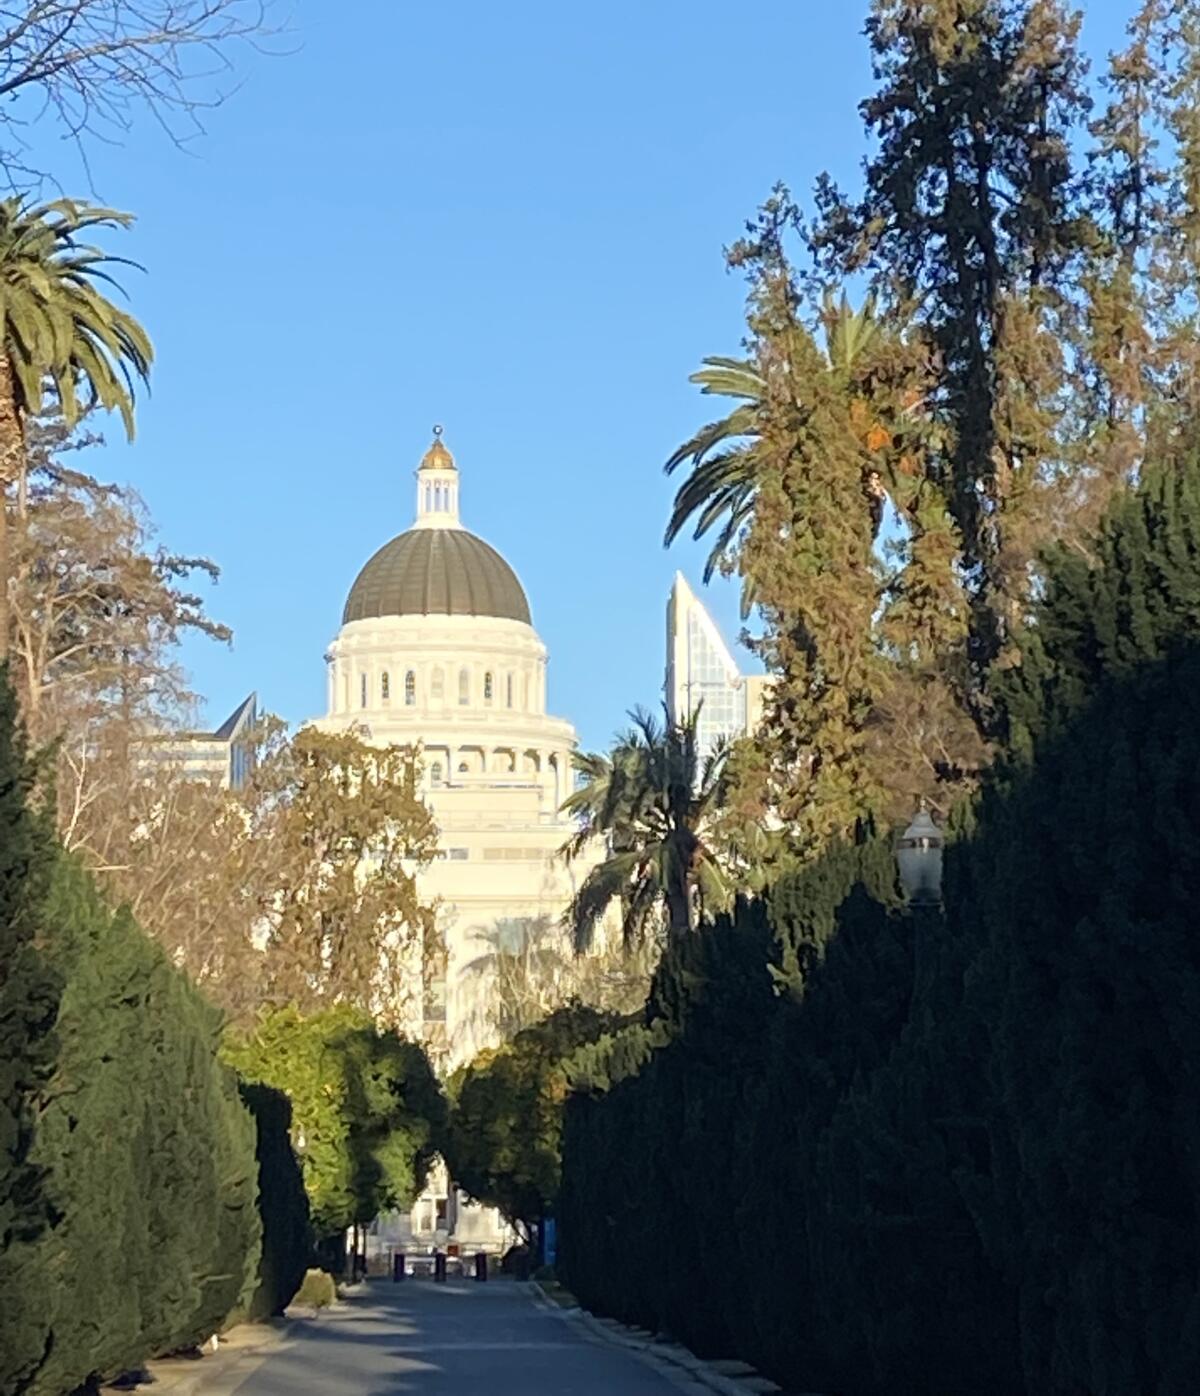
(1134, 601)
(29, 994)
(504, 1139)
(282, 1203)
(971, 211)
(808, 558)
(150, 1151)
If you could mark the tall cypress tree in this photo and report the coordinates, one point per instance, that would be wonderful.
(29, 994)
(971, 211)
(807, 558)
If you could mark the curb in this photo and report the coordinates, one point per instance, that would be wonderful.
(659, 1348)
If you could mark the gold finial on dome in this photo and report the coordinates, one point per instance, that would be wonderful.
(437, 457)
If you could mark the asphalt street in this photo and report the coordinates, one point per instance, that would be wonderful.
(418, 1338)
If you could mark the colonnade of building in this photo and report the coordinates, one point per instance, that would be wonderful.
(448, 764)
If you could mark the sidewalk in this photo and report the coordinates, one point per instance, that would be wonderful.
(728, 1377)
(183, 1376)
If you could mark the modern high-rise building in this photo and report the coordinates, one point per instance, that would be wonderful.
(703, 674)
(224, 757)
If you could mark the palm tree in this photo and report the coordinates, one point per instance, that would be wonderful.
(650, 799)
(63, 343)
(722, 488)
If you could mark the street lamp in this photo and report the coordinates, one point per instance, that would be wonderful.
(919, 859)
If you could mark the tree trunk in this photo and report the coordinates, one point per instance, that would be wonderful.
(679, 909)
(4, 569)
(12, 452)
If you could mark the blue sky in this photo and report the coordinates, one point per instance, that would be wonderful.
(504, 218)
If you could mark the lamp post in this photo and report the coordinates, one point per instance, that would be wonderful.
(919, 860)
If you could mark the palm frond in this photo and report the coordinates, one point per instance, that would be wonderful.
(62, 335)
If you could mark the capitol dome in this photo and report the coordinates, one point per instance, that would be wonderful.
(443, 572)
(437, 568)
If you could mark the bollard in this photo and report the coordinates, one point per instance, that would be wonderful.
(397, 1267)
(481, 1266)
(439, 1267)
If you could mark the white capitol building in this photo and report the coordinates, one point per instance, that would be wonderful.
(437, 650)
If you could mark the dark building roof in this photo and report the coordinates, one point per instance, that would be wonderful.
(436, 572)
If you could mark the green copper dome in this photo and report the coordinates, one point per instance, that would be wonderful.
(436, 572)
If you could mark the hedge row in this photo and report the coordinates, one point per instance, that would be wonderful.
(913, 1151)
(128, 1178)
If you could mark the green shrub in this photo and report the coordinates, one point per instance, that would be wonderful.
(318, 1290)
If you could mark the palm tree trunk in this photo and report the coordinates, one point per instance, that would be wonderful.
(12, 451)
(679, 909)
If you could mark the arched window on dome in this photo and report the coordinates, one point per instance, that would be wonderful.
(437, 684)
(509, 687)
(464, 687)
(362, 685)
(487, 687)
(385, 687)
(410, 689)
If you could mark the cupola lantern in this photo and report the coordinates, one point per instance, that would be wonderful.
(437, 487)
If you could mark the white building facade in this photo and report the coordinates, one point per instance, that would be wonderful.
(437, 650)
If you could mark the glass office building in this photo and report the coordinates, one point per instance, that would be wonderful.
(701, 671)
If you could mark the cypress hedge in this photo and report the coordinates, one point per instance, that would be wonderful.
(287, 1242)
(890, 1150)
(128, 1177)
(30, 989)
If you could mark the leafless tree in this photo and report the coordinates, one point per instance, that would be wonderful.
(89, 67)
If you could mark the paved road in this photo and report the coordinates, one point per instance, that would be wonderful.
(457, 1339)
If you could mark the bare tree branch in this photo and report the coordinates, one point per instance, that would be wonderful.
(90, 66)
